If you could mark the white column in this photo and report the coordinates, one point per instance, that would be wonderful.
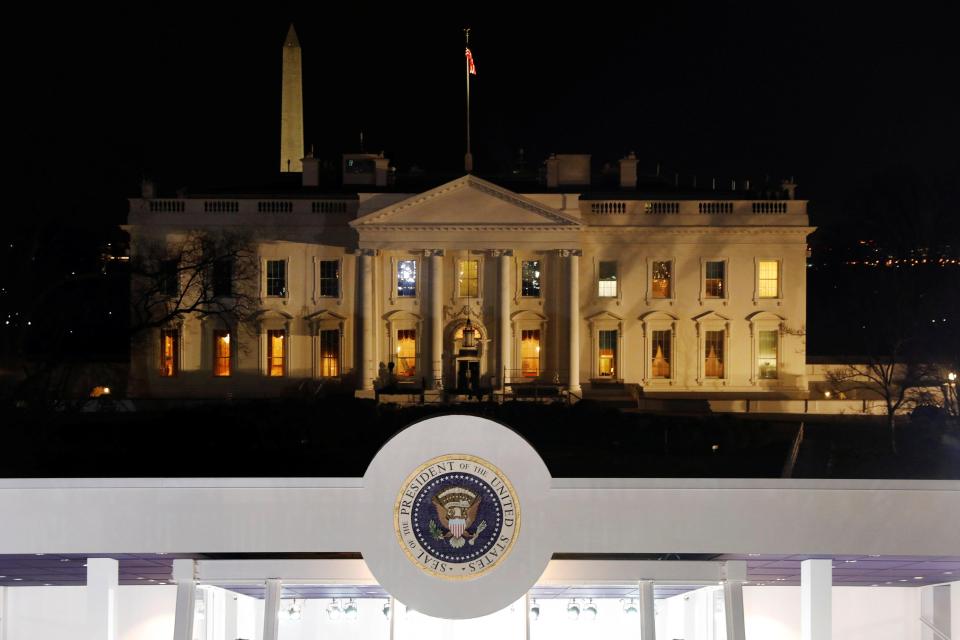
(506, 343)
(816, 599)
(102, 577)
(366, 297)
(230, 616)
(183, 577)
(271, 610)
(733, 609)
(574, 310)
(436, 315)
(3, 613)
(648, 623)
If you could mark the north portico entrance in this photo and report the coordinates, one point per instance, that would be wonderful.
(467, 371)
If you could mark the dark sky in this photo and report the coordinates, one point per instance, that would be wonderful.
(191, 96)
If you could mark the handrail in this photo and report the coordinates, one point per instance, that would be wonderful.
(939, 634)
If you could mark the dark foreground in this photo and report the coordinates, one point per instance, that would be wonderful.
(338, 436)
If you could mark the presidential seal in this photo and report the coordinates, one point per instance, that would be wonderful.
(457, 517)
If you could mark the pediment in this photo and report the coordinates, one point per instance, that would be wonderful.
(707, 316)
(603, 315)
(324, 314)
(758, 316)
(467, 202)
(650, 316)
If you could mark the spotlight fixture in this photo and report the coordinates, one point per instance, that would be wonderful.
(630, 607)
(573, 610)
(350, 610)
(590, 611)
(291, 610)
(333, 610)
(386, 609)
(534, 610)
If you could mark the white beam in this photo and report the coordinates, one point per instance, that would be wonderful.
(733, 609)
(271, 610)
(648, 621)
(183, 577)
(816, 599)
(102, 579)
(572, 572)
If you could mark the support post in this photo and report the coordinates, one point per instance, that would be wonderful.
(436, 317)
(816, 599)
(271, 610)
(3, 613)
(505, 342)
(183, 577)
(526, 616)
(102, 579)
(648, 623)
(574, 310)
(733, 609)
(366, 294)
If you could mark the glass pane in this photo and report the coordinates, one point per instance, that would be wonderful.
(769, 277)
(407, 278)
(608, 280)
(608, 354)
(715, 280)
(330, 353)
(530, 353)
(275, 352)
(221, 353)
(660, 287)
(223, 277)
(276, 278)
(767, 360)
(469, 278)
(168, 353)
(530, 286)
(713, 354)
(330, 278)
(661, 354)
(406, 352)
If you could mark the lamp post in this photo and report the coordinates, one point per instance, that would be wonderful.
(953, 406)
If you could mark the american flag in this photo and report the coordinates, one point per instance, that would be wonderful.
(472, 67)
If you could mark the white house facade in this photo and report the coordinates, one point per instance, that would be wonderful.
(574, 290)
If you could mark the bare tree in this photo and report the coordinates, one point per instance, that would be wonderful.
(199, 274)
(900, 377)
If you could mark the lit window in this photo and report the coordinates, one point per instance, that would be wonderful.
(530, 352)
(407, 278)
(223, 278)
(713, 354)
(330, 278)
(660, 285)
(769, 279)
(169, 278)
(277, 278)
(608, 354)
(406, 352)
(660, 366)
(276, 340)
(608, 280)
(530, 279)
(469, 278)
(767, 360)
(221, 353)
(168, 353)
(715, 280)
(330, 353)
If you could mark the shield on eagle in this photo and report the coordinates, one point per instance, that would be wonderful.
(457, 509)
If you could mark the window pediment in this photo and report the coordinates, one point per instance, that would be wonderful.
(762, 316)
(324, 314)
(525, 314)
(602, 316)
(652, 316)
(401, 315)
(710, 316)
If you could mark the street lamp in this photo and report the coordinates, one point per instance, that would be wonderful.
(953, 406)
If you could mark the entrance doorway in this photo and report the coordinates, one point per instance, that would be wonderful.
(468, 375)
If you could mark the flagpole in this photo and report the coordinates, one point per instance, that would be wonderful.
(468, 158)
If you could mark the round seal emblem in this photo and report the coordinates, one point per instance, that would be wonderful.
(457, 517)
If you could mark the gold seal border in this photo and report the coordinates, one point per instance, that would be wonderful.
(444, 458)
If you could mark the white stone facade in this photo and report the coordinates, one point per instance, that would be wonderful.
(707, 327)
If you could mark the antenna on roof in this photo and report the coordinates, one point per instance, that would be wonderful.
(658, 169)
(713, 183)
(361, 141)
(694, 182)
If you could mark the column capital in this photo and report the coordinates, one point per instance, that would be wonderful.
(499, 253)
(433, 253)
(568, 253)
(366, 252)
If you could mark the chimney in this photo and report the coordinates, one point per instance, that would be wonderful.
(790, 188)
(148, 189)
(553, 170)
(311, 170)
(628, 171)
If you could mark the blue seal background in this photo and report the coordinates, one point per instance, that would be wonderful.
(424, 511)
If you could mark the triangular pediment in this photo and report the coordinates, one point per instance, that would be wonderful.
(466, 202)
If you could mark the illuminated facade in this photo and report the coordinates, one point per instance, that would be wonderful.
(672, 293)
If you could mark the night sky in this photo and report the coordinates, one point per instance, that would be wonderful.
(859, 105)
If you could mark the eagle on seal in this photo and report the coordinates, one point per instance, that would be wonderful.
(457, 509)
